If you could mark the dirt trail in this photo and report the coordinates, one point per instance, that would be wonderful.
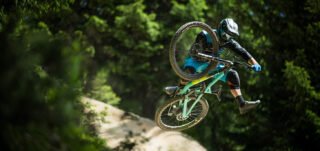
(127, 130)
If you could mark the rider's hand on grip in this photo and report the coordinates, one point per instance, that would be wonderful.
(256, 67)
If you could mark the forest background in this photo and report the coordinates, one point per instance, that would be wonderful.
(53, 52)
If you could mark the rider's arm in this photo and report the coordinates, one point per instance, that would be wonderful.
(237, 48)
(252, 61)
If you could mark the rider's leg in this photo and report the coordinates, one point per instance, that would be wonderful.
(192, 66)
(234, 83)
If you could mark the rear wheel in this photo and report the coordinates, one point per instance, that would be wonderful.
(169, 116)
(183, 42)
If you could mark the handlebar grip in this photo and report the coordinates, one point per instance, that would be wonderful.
(244, 64)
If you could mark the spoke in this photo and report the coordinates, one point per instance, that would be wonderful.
(196, 109)
(186, 121)
(189, 120)
(177, 122)
(196, 114)
(168, 119)
(171, 121)
(197, 106)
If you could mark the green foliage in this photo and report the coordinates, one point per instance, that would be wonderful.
(41, 88)
(193, 10)
(302, 82)
(55, 51)
(287, 85)
(136, 30)
(96, 23)
(315, 119)
(133, 18)
(101, 91)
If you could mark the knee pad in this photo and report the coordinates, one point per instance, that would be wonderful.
(233, 79)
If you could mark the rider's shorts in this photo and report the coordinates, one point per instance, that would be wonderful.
(200, 66)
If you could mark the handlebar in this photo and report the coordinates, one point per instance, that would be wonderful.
(244, 64)
(227, 62)
(211, 58)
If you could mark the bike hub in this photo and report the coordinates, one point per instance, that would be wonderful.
(179, 117)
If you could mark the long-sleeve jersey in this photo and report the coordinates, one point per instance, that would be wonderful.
(204, 39)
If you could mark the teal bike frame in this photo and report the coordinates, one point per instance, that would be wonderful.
(198, 92)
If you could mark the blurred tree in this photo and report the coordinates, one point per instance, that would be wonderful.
(63, 47)
(41, 82)
(40, 87)
(280, 35)
(101, 91)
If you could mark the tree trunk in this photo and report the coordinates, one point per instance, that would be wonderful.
(148, 101)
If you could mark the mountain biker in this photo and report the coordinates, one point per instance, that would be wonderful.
(226, 32)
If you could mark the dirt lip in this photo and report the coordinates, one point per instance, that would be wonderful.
(127, 131)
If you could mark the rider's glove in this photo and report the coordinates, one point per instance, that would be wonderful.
(256, 67)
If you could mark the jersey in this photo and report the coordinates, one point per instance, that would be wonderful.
(204, 40)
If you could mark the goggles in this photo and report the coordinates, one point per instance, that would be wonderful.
(226, 36)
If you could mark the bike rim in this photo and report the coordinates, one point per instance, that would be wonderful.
(174, 121)
(184, 46)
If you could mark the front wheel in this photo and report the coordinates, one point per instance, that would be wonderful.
(184, 45)
(169, 116)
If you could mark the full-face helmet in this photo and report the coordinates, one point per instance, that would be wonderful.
(228, 29)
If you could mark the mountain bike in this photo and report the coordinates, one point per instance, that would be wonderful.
(188, 106)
